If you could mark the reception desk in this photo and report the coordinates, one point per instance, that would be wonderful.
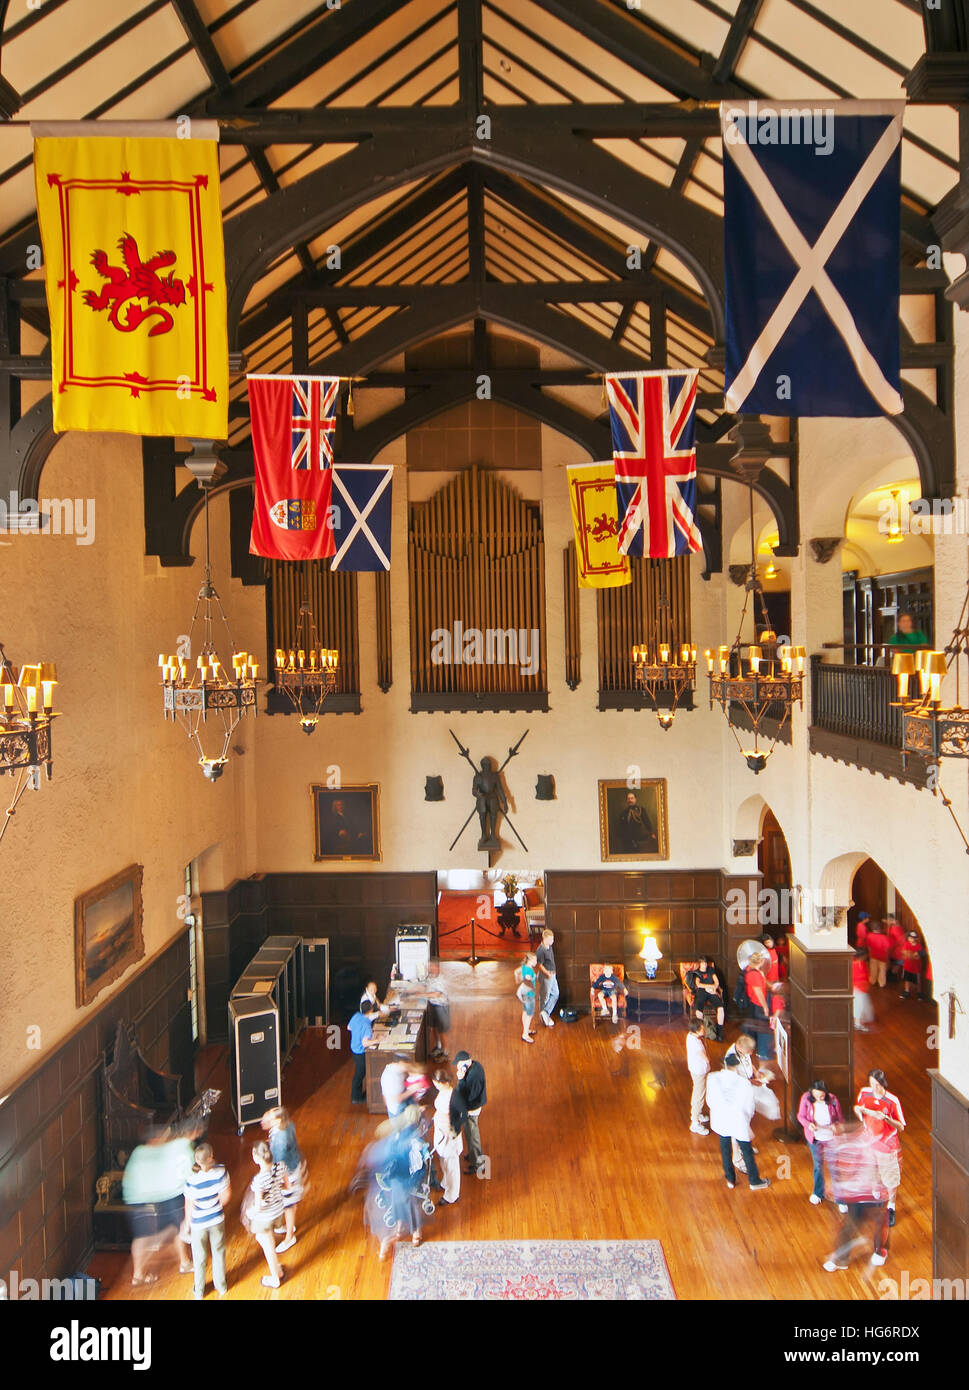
(407, 1039)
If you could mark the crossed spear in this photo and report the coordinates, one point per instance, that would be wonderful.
(465, 754)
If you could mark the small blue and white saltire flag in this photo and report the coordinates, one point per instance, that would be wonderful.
(361, 500)
(811, 257)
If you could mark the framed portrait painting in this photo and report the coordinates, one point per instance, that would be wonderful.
(107, 933)
(633, 821)
(346, 822)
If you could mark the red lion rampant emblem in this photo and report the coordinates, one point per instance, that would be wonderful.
(137, 280)
(603, 527)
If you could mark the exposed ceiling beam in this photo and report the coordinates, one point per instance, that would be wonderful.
(341, 125)
(573, 166)
(628, 37)
(201, 40)
(307, 48)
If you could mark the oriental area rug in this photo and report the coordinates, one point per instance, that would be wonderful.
(531, 1270)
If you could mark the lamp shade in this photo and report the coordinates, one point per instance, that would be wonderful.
(650, 950)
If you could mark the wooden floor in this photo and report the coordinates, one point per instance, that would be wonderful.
(579, 1150)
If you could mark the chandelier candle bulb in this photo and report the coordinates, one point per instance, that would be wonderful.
(903, 668)
(935, 669)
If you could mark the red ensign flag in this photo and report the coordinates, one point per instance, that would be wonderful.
(293, 424)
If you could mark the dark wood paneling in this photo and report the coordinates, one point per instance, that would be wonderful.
(234, 926)
(873, 757)
(50, 1123)
(358, 912)
(950, 1181)
(598, 915)
(821, 1020)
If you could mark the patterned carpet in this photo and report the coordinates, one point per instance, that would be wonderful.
(531, 1270)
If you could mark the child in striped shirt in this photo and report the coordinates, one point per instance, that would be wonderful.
(207, 1191)
(268, 1188)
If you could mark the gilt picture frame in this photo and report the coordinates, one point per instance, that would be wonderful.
(633, 821)
(346, 823)
(108, 933)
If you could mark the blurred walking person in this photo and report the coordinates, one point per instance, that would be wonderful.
(861, 1196)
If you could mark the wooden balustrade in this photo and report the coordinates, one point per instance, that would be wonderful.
(856, 702)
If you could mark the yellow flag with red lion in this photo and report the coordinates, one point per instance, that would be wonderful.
(135, 268)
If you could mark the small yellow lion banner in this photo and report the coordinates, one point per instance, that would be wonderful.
(135, 269)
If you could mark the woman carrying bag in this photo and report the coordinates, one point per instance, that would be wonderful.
(449, 1117)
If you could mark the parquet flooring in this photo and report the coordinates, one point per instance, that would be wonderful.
(583, 1145)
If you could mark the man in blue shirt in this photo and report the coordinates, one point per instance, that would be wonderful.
(361, 1037)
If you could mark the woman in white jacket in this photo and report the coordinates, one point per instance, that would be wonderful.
(730, 1098)
(449, 1116)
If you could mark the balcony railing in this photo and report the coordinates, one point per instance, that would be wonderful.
(856, 702)
(854, 718)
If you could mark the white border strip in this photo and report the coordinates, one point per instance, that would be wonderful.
(134, 130)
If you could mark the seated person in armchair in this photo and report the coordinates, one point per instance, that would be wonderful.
(606, 989)
(706, 987)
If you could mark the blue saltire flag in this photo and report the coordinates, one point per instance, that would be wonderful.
(361, 500)
(811, 257)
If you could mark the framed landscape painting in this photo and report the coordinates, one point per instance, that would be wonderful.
(633, 821)
(107, 933)
(346, 822)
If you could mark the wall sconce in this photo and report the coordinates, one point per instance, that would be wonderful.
(433, 788)
(545, 787)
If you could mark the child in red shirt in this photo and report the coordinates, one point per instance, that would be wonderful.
(881, 1113)
(911, 965)
(896, 947)
(863, 1008)
(878, 948)
(772, 973)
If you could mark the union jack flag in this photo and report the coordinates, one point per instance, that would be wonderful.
(314, 420)
(653, 416)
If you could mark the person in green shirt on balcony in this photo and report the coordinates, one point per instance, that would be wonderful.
(906, 633)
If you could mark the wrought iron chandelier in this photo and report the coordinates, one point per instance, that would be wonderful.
(25, 727)
(929, 728)
(662, 677)
(659, 677)
(194, 692)
(766, 680)
(307, 673)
